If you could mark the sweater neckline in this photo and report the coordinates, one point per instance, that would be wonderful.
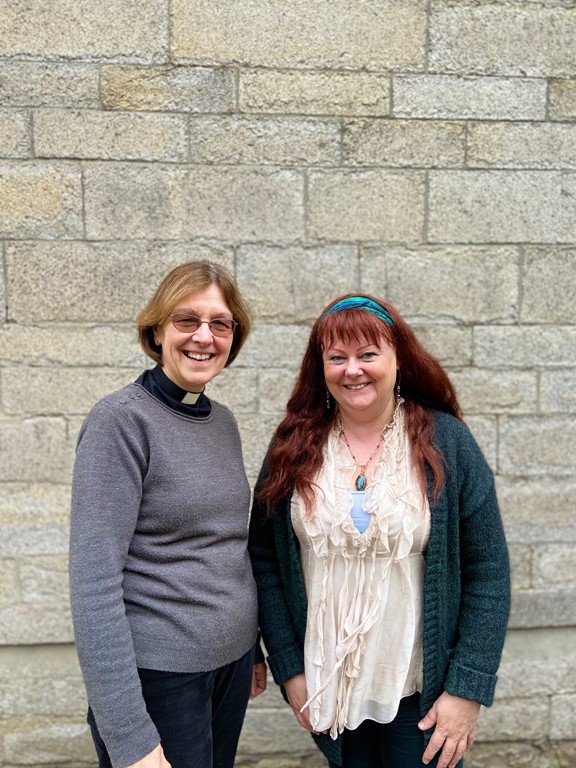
(156, 383)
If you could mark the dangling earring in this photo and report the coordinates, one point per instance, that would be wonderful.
(327, 400)
(398, 380)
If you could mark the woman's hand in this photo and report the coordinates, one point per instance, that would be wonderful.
(258, 679)
(154, 759)
(454, 721)
(297, 696)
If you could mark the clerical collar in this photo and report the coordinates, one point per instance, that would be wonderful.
(164, 389)
(191, 398)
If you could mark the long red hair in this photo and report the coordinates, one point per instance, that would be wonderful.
(297, 445)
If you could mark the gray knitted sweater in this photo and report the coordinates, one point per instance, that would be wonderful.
(159, 571)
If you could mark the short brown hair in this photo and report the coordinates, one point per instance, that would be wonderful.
(192, 277)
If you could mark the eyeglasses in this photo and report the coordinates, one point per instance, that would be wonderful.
(219, 326)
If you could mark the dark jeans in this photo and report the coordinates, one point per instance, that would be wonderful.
(198, 716)
(399, 744)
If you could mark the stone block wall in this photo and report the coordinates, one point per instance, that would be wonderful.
(420, 150)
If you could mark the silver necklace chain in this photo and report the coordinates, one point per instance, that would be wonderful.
(361, 482)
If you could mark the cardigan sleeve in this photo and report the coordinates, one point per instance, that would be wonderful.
(269, 553)
(484, 577)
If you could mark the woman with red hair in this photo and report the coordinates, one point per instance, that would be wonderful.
(378, 549)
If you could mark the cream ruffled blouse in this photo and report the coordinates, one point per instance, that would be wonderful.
(363, 647)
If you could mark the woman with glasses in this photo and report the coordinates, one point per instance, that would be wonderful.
(162, 592)
(378, 549)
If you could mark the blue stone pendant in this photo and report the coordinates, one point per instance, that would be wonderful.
(360, 482)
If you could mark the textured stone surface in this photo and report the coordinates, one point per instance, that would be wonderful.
(563, 99)
(44, 695)
(53, 392)
(528, 145)
(170, 88)
(274, 388)
(39, 200)
(314, 93)
(537, 662)
(65, 345)
(525, 346)
(50, 744)
(9, 586)
(486, 98)
(34, 513)
(131, 30)
(538, 510)
(23, 537)
(558, 391)
(44, 579)
(485, 431)
(403, 143)
(101, 135)
(34, 503)
(35, 449)
(34, 623)
(543, 608)
(14, 134)
(487, 391)
(3, 288)
(377, 34)
(275, 140)
(237, 388)
(477, 284)
(520, 565)
(505, 754)
(43, 83)
(549, 282)
(502, 720)
(161, 202)
(451, 344)
(295, 284)
(256, 432)
(497, 206)
(531, 446)
(366, 205)
(508, 39)
(562, 716)
(554, 564)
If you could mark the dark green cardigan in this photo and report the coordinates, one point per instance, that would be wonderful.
(466, 586)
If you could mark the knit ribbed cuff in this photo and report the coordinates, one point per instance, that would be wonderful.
(286, 664)
(470, 684)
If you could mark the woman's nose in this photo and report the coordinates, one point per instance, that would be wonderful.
(353, 367)
(203, 334)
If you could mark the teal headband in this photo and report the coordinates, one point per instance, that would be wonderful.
(360, 302)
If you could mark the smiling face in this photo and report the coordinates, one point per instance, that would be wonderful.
(192, 359)
(361, 376)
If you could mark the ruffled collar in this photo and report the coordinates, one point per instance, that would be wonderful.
(393, 498)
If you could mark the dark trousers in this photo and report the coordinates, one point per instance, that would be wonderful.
(399, 744)
(198, 716)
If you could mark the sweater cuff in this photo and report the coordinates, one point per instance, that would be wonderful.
(470, 684)
(286, 664)
(133, 747)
